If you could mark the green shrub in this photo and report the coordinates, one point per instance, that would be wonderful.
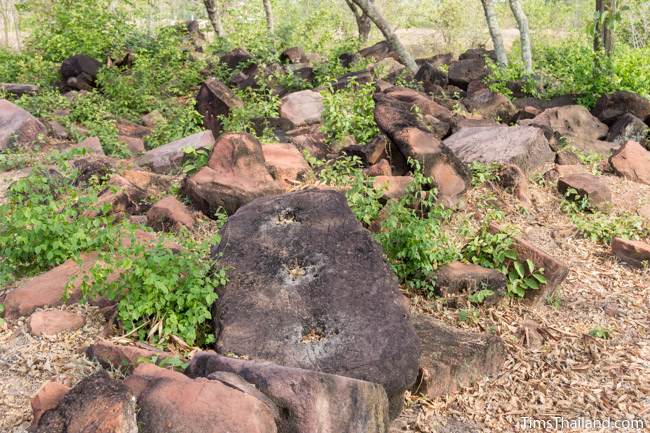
(30, 68)
(179, 121)
(259, 104)
(92, 111)
(350, 112)
(44, 225)
(599, 226)
(67, 27)
(572, 67)
(163, 68)
(161, 293)
(362, 197)
(413, 236)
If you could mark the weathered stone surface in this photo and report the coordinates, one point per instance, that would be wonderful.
(308, 401)
(392, 186)
(490, 105)
(431, 76)
(635, 253)
(381, 168)
(19, 89)
(56, 130)
(573, 121)
(213, 100)
(130, 129)
(302, 108)
(589, 186)
(396, 119)
(452, 358)
(371, 153)
(97, 404)
(460, 122)
(387, 69)
(564, 157)
(47, 397)
(170, 402)
(457, 277)
(610, 107)
(92, 145)
(154, 184)
(525, 147)
(305, 267)
(122, 198)
(629, 128)
(379, 51)
(293, 55)
(544, 104)
(310, 139)
(17, 126)
(285, 163)
(426, 105)
(559, 171)
(152, 119)
(134, 144)
(513, 180)
(116, 356)
(46, 289)
(79, 72)
(236, 174)
(54, 321)
(632, 162)
(169, 214)
(93, 166)
(554, 271)
(463, 72)
(478, 53)
(169, 157)
(237, 57)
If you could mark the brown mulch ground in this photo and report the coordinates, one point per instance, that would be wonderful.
(560, 370)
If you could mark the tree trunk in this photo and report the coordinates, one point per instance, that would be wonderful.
(495, 32)
(524, 34)
(393, 41)
(215, 19)
(269, 15)
(363, 21)
(603, 36)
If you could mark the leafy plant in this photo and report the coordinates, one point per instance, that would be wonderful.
(161, 293)
(469, 315)
(480, 296)
(495, 251)
(412, 234)
(482, 172)
(599, 226)
(350, 112)
(600, 332)
(46, 223)
(194, 159)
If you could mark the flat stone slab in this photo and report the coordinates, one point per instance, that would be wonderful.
(524, 146)
(309, 288)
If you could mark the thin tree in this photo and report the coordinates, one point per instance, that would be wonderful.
(363, 21)
(268, 10)
(603, 35)
(214, 16)
(524, 34)
(393, 41)
(495, 32)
